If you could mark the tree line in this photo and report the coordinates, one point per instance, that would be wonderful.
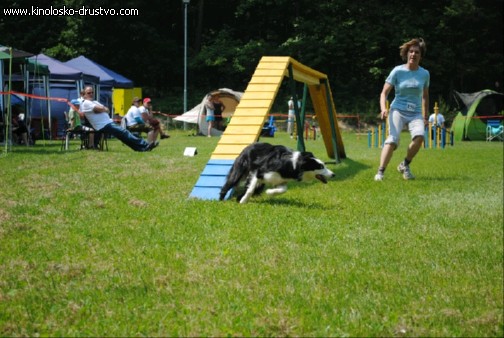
(356, 43)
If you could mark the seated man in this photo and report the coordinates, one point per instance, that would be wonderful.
(148, 116)
(97, 114)
(74, 120)
(135, 122)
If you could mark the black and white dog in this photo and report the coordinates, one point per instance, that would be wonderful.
(263, 163)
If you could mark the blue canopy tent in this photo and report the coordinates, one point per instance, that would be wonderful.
(64, 82)
(107, 82)
(119, 80)
(110, 81)
(123, 92)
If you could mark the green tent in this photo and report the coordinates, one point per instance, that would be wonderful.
(8, 56)
(4, 55)
(475, 109)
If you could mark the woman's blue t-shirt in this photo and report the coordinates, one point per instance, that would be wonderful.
(409, 86)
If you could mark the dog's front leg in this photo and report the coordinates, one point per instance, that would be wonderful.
(250, 188)
(277, 190)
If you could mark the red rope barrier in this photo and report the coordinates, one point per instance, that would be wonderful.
(38, 97)
(61, 99)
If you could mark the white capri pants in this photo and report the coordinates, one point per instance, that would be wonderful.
(398, 119)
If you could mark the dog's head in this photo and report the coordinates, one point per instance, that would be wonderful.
(313, 168)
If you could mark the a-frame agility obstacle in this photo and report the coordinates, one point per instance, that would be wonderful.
(252, 111)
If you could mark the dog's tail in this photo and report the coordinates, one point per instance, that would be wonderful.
(235, 175)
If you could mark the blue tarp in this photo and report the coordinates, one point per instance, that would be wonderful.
(39, 108)
(16, 99)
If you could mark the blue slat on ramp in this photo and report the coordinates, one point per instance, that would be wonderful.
(212, 179)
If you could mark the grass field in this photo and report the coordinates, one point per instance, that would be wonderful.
(108, 244)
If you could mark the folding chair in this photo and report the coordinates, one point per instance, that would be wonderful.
(134, 131)
(124, 122)
(494, 130)
(83, 135)
(269, 128)
(102, 141)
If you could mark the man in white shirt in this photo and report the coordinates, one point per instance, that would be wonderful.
(137, 122)
(97, 115)
(437, 121)
(133, 115)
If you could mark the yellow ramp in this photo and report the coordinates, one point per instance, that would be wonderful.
(255, 105)
(252, 111)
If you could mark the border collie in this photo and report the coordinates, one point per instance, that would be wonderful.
(263, 163)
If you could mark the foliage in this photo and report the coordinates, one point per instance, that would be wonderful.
(108, 244)
(355, 45)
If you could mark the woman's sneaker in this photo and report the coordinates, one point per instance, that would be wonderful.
(379, 176)
(405, 171)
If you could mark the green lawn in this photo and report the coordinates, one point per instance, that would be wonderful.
(108, 244)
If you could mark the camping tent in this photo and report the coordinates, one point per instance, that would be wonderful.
(197, 115)
(475, 109)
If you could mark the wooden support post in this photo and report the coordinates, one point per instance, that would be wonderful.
(299, 123)
(332, 122)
